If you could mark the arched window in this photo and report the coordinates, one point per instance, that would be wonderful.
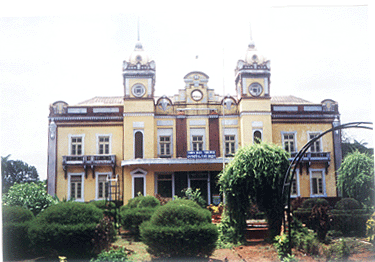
(257, 136)
(138, 144)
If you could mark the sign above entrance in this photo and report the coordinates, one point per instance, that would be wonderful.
(205, 154)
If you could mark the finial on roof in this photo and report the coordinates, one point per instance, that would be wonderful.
(138, 45)
(251, 44)
(138, 30)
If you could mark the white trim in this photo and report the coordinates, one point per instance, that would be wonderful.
(157, 180)
(143, 141)
(198, 132)
(70, 136)
(323, 183)
(165, 132)
(82, 186)
(288, 133)
(297, 184)
(320, 139)
(261, 133)
(97, 174)
(138, 173)
(110, 143)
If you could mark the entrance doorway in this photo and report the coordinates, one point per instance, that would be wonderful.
(201, 180)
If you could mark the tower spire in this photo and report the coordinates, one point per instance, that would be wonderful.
(138, 30)
(251, 44)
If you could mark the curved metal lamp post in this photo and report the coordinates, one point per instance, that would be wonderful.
(297, 159)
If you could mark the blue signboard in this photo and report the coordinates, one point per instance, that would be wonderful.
(205, 154)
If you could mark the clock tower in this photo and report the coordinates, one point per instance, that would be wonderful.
(139, 85)
(253, 93)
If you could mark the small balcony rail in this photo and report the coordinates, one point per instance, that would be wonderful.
(88, 161)
(313, 157)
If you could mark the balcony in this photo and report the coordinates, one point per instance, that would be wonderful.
(313, 157)
(88, 161)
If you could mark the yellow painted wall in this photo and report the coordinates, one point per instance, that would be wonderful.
(253, 104)
(139, 106)
(302, 130)
(90, 148)
(150, 183)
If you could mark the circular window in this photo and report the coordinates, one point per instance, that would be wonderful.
(255, 89)
(138, 90)
(139, 58)
(196, 95)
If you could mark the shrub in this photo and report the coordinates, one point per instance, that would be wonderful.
(132, 218)
(107, 207)
(105, 234)
(349, 218)
(142, 201)
(370, 228)
(320, 219)
(67, 228)
(16, 221)
(303, 213)
(113, 255)
(182, 227)
(138, 210)
(32, 196)
(338, 251)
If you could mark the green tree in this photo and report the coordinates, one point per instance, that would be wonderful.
(255, 174)
(16, 171)
(32, 196)
(356, 177)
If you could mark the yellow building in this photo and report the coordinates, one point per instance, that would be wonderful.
(118, 147)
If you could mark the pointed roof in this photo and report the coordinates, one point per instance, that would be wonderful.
(103, 100)
(280, 100)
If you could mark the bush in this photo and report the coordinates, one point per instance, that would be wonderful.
(303, 213)
(338, 251)
(113, 255)
(32, 196)
(349, 218)
(142, 201)
(16, 220)
(138, 210)
(370, 228)
(107, 207)
(105, 234)
(183, 228)
(67, 228)
(132, 218)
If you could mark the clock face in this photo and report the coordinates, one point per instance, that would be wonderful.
(196, 95)
(138, 90)
(255, 89)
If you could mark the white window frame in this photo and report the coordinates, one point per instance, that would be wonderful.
(324, 194)
(165, 132)
(82, 199)
(294, 133)
(297, 184)
(110, 143)
(139, 172)
(320, 140)
(97, 174)
(143, 142)
(261, 133)
(231, 132)
(198, 132)
(157, 180)
(70, 136)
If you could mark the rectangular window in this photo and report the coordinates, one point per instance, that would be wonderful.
(76, 187)
(103, 145)
(165, 185)
(230, 145)
(317, 182)
(197, 143)
(76, 144)
(316, 146)
(294, 186)
(165, 146)
(289, 142)
(102, 187)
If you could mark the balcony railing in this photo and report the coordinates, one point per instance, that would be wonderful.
(313, 157)
(88, 161)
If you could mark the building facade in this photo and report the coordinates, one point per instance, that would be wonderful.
(137, 143)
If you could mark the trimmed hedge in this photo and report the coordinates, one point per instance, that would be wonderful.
(107, 207)
(178, 229)
(16, 220)
(142, 201)
(132, 218)
(349, 217)
(303, 213)
(67, 228)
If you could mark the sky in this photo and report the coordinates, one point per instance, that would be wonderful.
(73, 51)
